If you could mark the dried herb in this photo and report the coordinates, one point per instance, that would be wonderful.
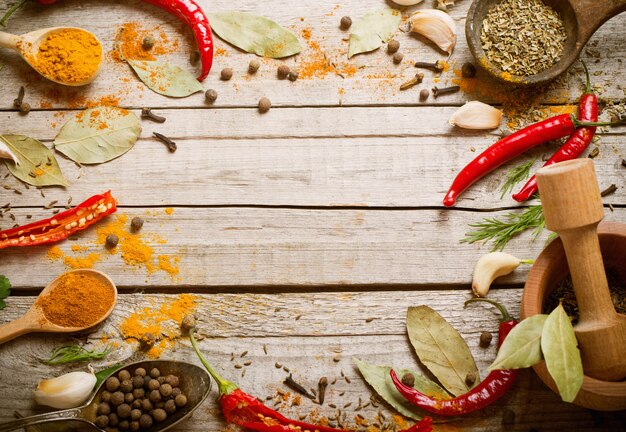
(440, 348)
(5, 290)
(31, 155)
(255, 34)
(75, 353)
(560, 350)
(522, 347)
(516, 175)
(523, 37)
(166, 79)
(373, 30)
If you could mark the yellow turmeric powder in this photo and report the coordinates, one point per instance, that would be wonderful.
(69, 56)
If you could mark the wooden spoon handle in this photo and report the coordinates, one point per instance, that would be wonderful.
(8, 40)
(592, 14)
(16, 328)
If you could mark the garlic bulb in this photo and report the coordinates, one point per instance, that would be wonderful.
(436, 26)
(407, 2)
(6, 153)
(65, 391)
(476, 115)
(492, 266)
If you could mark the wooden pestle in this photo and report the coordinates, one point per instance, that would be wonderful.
(573, 208)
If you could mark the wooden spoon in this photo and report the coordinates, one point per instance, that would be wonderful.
(27, 45)
(581, 18)
(35, 321)
(573, 208)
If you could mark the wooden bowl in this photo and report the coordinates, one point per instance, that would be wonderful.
(549, 269)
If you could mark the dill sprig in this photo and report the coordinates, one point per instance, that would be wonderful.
(501, 231)
(75, 353)
(516, 175)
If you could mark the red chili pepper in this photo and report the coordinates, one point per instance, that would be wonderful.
(186, 11)
(492, 388)
(62, 225)
(424, 425)
(247, 411)
(575, 145)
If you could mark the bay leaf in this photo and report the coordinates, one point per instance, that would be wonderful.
(379, 379)
(98, 135)
(560, 349)
(166, 79)
(255, 34)
(522, 346)
(440, 348)
(37, 164)
(373, 30)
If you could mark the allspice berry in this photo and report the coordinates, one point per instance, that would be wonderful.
(345, 23)
(123, 375)
(136, 223)
(408, 379)
(397, 57)
(226, 74)
(282, 71)
(254, 66)
(123, 411)
(102, 421)
(264, 105)
(180, 400)
(155, 373)
(111, 241)
(145, 421)
(210, 96)
(468, 70)
(147, 43)
(159, 415)
(485, 339)
(112, 384)
(292, 76)
(393, 46)
(470, 379)
(117, 398)
(424, 93)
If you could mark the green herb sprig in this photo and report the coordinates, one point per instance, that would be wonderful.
(501, 231)
(516, 175)
(5, 290)
(75, 353)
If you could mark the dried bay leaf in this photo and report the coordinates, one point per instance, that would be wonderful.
(440, 348)
(255, 34)
(374, 29)
(522, 346)
(98, 135)
(560, 349)
(379, 379)
(37, 164)
(165, 78)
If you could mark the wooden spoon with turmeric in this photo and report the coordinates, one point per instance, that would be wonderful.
(74, 301)
(66, 55)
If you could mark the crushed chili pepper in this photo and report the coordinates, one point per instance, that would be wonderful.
(492, 388)
(62, 225)
(247, 411)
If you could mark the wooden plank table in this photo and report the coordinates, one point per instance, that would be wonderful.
(303, 234)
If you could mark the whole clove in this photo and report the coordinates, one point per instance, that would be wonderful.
(437, 66)
(171, 145)
(418, 78)
(439, 91)
(594, 153)
(321, 386)
(608, 191)
(290, 382)
(147, 113)
(17, 102)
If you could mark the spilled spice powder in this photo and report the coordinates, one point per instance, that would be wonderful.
(316, 64)
(160, 325)
(129, 43)
(78, 300)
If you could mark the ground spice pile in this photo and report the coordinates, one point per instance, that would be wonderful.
(158, 327)
(78, 300)
(69, 56)
(130, 44)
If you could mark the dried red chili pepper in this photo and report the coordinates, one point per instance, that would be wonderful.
(247, 411)
(62, 225)
(492, 388)
(186, 11)
(575, 145)
(512, 146)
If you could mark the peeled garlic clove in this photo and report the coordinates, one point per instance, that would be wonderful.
(436, 26)
(6, 153)
(476, 115)
(65, 391)
(492, 266)
(407, 2)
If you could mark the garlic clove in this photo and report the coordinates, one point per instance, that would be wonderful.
(435, 25)
(407, 2)
(65, 391)
(490, 267)
(476, 115)
(6, 153)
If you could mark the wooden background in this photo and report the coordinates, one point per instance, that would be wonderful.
(308, 230)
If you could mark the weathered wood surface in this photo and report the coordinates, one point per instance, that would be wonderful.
(333, 330)
(376, 83)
